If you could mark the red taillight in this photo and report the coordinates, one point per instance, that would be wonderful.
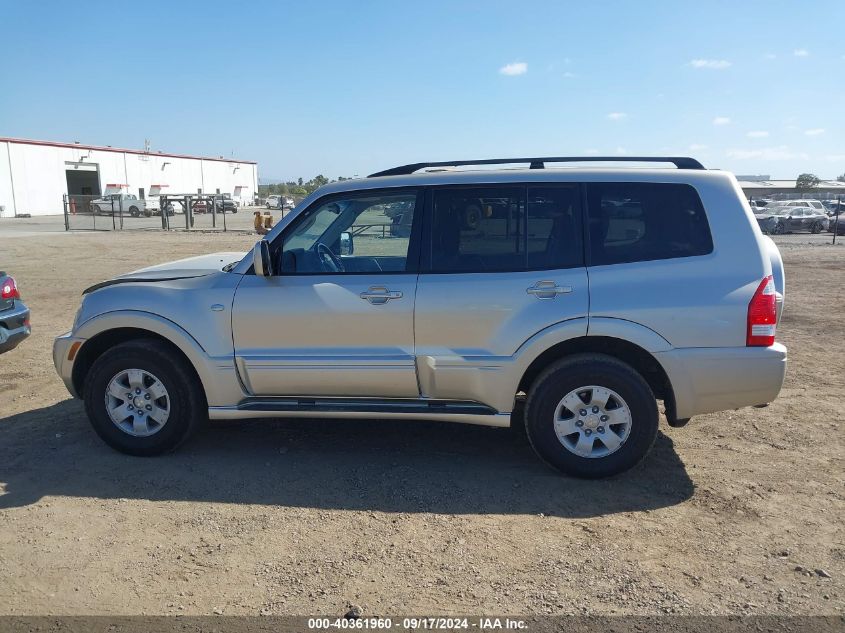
(9, 290)
(762, 315)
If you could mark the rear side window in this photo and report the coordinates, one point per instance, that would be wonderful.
(495, 228)
(634, 222)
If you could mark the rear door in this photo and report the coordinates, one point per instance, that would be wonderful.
(500, 263)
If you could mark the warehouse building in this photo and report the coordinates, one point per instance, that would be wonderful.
(36, 175)
(765, 187)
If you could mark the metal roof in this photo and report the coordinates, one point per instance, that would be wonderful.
(774, 185)
(100, 148)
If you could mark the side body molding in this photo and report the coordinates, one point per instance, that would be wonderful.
(217, 373)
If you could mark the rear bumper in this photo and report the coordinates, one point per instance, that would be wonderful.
(14, 326)
(705, 380)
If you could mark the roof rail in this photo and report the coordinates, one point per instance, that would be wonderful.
(681, 162)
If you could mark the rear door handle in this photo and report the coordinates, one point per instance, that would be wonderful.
(547, 290)
(379, 295)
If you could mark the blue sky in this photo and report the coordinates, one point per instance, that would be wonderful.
(344, 88)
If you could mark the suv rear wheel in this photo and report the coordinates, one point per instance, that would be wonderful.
(591, 416)
(142, 399)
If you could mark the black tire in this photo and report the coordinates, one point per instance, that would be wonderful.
(472, 217)
(778, 229)
(133, 211)
(816, 228)
(188, 409)
(148, 213)
(581, 370)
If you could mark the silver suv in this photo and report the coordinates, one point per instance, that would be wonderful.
(587, 293)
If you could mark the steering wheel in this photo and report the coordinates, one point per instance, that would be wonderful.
(331, 262)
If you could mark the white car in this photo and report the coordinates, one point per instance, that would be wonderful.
(273, 202)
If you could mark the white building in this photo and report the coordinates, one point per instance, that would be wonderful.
(35, 175)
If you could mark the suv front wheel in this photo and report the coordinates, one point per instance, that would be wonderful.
(143, 399)
(591, 416)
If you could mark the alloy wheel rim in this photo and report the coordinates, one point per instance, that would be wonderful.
(592, 421)
(137, 402)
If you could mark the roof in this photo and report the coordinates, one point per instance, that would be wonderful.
(505, 176)
(100, 148)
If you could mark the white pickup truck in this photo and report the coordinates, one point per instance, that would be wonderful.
(128, 204)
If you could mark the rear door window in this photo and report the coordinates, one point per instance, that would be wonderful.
(631, 222)
(505, 228)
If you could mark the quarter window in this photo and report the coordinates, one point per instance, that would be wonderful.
(630, 222)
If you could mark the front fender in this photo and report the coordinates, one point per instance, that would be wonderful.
(217, 373)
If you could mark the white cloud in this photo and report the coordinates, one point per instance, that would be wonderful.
(781, 152)
(569, 75)
(816, 131)
(770, 56)
(514, 68)
(621, 151)
(617, 116)
(801, 52)
(835, 158)
(757, 134)
(713, 64)
(721, 120)
(697, 147)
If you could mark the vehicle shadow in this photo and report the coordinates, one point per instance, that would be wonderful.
(328, 464)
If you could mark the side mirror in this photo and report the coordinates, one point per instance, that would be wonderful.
(347, 245)
(261, 260)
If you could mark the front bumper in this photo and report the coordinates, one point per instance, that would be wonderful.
(706, 380)
(14, 326)
(63, 364)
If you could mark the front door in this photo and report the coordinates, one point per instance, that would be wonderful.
(502, 264)
(337, 318)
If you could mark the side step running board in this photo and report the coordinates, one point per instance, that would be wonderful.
(363, 405)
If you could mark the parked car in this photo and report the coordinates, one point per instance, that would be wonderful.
(273, 202)
(14, 315)
(453, 322)
(794, 218)
(226, 204)
(117, 203)
(815, 204)
(200, 206)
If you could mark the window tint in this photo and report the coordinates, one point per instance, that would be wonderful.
(493, 229)
(631, 222)
(365, 233)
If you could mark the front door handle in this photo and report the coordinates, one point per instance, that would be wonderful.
(547, 290)
(379, 295)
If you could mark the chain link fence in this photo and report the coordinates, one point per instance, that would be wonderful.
(126, 212)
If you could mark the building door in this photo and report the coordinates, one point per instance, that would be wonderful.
(83, 180)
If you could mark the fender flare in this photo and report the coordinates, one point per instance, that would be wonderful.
(155, 324)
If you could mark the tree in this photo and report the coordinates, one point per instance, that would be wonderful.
(841, 178)
(807, 182)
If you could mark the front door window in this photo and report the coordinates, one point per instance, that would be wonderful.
(364, 233)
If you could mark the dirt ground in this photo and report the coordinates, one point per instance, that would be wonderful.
(739, 512)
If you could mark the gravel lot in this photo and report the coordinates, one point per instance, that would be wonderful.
(740, 512)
